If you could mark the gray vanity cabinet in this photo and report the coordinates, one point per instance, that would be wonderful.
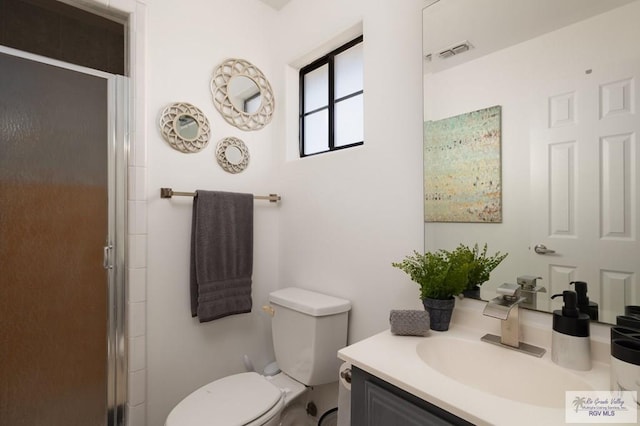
(375, 402)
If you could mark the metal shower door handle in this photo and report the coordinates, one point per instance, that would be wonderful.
(106, 257)
(542, 249)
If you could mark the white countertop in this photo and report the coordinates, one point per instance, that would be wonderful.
(395, 359)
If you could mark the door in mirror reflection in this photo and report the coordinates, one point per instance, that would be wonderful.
(585, 185)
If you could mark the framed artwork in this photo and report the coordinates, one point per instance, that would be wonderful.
(462, 168)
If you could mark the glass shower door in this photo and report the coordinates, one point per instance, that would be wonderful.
(54, 225)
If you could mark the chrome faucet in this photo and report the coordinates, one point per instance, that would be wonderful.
(505, 308)
(529, 290)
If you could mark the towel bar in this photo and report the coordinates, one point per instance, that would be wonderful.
(168, 193)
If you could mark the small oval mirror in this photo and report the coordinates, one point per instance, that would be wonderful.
(244, 94)
(186, 127)
(232, 155)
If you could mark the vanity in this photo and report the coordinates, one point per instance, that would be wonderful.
(454, 378)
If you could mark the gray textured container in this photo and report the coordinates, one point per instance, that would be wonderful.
(409, 322)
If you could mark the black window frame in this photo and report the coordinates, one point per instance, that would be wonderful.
(328, 60)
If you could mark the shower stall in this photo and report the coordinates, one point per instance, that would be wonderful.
(63, 152)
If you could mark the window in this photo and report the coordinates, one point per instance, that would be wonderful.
(331, 101)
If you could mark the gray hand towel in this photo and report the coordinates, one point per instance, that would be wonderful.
(221, 254)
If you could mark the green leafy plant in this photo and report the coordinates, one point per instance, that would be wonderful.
(481, 265)
(443, 274)
(440, 275)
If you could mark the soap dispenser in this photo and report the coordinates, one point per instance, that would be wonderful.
(584, 305)
(570, 341)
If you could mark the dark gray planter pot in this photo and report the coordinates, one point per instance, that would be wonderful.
(473, 293)
(439, 312)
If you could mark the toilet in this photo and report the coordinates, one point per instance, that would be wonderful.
(308, 329)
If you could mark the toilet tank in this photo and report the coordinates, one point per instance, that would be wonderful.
(308, 329)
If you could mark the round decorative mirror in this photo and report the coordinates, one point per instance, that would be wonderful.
(242, 94)
(184, 127)
(232, 155)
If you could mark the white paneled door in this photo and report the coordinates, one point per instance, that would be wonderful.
(584, 186)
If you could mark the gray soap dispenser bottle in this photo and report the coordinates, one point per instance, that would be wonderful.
(570, 341)
(584, 305)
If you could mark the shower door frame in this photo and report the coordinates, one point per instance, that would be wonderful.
(115, 254)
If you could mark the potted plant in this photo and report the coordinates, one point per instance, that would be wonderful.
(440, 275)
(480, 268)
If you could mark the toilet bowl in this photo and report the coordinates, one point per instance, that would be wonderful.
(308, 329)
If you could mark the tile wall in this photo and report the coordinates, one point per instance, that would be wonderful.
(136, 277)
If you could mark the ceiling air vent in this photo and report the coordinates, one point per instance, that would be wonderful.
(456, 49)
(446, 53)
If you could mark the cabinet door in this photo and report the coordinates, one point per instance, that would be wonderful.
(375, 402)
(384, 409)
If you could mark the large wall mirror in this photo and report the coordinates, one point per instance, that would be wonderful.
(566, 76)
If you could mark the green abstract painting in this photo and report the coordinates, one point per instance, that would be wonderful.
(462, 168)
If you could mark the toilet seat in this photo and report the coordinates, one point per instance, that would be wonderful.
(244, 399)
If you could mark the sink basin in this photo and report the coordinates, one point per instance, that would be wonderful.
(500, 371)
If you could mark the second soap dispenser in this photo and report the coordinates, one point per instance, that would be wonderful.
(584, 305)
(570, 341)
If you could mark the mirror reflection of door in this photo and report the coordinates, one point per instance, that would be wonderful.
(585, 185)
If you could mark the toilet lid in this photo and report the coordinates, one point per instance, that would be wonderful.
(234, 400)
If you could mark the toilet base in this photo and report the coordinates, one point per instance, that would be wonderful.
(296, 415)
(291, 387)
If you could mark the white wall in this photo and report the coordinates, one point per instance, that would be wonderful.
(186, 41)
(344, 216)
(513, 78)
(347, 215)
